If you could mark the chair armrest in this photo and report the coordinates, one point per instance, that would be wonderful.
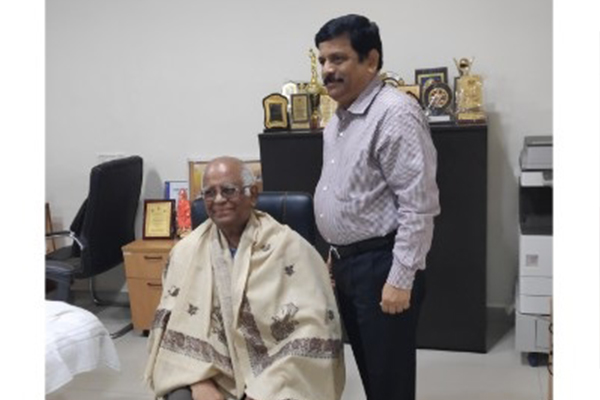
(59, 270)
(68, 234)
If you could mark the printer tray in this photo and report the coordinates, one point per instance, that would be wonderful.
(536, 225)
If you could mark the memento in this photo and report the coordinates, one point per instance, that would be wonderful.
(469, 94)
(158, 219)
(301, 111)
(437, 101)
(275, 107)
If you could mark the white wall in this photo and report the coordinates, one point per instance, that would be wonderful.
(179, 79)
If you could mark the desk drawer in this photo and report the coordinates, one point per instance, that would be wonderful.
(144, 296)
(145, 265)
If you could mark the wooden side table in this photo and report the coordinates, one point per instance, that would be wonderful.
(144, 264)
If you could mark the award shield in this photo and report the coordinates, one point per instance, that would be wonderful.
(275, 108)
(437, 101)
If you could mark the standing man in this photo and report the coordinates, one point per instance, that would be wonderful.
(375, 203)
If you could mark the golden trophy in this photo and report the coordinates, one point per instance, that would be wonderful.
(469, 93)
(314, 90)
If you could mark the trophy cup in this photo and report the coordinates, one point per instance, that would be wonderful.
(469, 93)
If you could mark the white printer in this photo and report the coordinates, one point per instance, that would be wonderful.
(534, 284)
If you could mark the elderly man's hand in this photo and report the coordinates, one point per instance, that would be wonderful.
(206, 390)
(394, 300)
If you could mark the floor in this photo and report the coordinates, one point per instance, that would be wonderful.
(500, 374)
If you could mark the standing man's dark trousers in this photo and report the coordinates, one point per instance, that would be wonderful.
(384, 345)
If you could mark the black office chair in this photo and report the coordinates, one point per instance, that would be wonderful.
(103, 224)
(291, 208)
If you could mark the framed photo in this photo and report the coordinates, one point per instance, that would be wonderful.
(172, 189)
(159, 222)
(437, 74)
(196, 173)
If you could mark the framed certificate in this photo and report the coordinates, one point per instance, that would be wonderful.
(158, 219)
(301, 111)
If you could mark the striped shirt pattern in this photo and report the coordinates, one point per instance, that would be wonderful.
(378, 176)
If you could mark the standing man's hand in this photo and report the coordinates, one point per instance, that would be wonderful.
(394, 300)
(206, 390)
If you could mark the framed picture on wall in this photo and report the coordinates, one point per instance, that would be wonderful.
(196, 173)
(172, 189)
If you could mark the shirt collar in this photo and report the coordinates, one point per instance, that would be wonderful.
(364, 100)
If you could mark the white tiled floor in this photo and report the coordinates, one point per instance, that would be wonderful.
(500, 374)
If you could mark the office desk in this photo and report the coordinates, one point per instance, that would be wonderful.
(144, 264)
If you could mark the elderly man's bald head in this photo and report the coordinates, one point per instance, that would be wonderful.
(233, 164)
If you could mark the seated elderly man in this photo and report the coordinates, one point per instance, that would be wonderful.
(247, 307)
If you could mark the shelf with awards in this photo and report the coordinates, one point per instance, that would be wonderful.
(454, 314)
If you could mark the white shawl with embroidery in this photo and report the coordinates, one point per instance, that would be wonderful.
(264, 323)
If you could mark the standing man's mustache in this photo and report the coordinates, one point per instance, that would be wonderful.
(331, 79)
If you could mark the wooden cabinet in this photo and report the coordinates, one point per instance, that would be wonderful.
(144, 263)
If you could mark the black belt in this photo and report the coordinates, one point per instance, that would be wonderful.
(348, 250)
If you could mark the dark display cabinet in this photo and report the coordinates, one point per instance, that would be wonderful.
(454, 314)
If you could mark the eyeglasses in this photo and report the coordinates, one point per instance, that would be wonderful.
(228, 192)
